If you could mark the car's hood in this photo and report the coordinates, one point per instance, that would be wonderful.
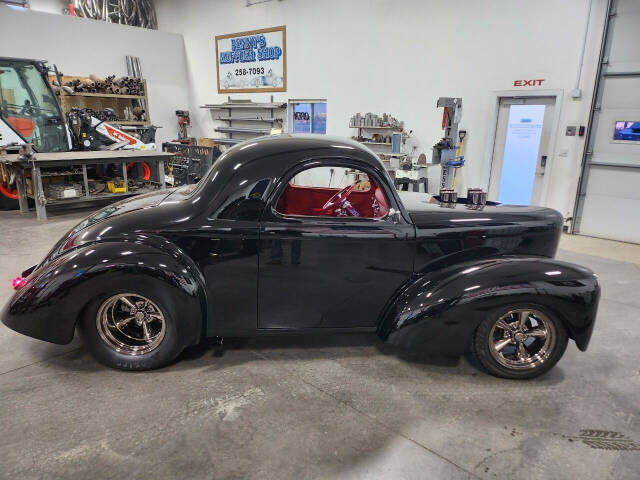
(427, 211)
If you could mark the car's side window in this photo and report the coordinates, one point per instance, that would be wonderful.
(245, 202)
(333, 191)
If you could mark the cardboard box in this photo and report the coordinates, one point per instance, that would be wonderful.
(207, 142)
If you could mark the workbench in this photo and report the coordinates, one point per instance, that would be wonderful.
(76, 163)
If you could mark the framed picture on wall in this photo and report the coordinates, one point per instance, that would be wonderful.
(626, 131)
(253, 61)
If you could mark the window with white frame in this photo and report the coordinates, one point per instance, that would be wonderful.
(308, 116)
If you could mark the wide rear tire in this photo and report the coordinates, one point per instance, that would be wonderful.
(131, 329)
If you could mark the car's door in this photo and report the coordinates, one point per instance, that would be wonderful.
(320, 270)
(224, 245)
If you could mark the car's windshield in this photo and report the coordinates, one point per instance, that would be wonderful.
(29, 108)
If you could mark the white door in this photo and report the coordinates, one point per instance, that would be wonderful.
(520, 150)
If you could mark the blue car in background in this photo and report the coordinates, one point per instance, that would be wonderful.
(629, 133)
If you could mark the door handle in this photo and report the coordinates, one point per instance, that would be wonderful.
(543, 161)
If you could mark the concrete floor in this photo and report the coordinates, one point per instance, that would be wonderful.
(332, 407)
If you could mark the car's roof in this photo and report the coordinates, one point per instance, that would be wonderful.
(284, 145)
(288, 142)
(271, 157)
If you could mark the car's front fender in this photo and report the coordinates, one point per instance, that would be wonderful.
(54, 296)
(439, 311)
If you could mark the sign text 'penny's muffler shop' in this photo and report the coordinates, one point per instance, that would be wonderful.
(254, 61)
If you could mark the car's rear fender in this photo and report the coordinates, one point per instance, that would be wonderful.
(439, 311)
(54, 297)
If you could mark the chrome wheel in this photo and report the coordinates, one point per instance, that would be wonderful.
(130, 323)
(522, 339)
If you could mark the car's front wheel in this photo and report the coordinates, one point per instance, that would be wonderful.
(521, 341)
(130, 330)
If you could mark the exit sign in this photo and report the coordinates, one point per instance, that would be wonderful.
(528, 83)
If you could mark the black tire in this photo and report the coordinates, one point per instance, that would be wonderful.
(164, 353)
(7, 203)
(482, 342)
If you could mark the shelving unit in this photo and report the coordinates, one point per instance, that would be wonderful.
(100, 101)
(377, 129)
(248, 131)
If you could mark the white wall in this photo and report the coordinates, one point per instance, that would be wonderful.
(82, 47)
(399, 57)
(49, 6)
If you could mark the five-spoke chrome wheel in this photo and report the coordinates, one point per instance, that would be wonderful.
(130, 323)
(522, 339)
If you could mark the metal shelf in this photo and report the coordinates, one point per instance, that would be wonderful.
(229, 141)
(375, 128)
(248, 119)
(141, 123)
(104, 95)
(266, 131)
(246, 106)
(99, 196)
(377, 143)
(62, 173)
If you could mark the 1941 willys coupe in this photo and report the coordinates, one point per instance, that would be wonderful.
(308, 234)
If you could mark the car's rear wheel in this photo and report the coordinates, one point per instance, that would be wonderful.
(522, 341)
(130, 330)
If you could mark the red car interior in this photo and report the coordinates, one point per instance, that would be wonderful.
(299, 200)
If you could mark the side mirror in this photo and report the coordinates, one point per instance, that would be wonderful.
(394, 215)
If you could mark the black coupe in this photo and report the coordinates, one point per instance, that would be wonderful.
(308, 234)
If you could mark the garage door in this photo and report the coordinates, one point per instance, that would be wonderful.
(608, 203)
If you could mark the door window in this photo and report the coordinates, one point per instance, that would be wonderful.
(333, 192)
(523, 133)
(519, 162)
(27, 105)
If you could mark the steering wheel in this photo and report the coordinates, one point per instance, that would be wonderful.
(339, 202)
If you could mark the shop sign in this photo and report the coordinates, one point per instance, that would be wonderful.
(254, 61)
